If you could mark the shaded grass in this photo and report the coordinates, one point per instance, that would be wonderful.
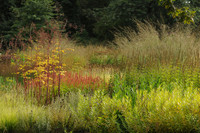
(22, 115)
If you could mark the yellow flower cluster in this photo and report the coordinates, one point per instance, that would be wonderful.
(41, 65)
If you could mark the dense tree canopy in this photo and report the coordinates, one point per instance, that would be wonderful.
(102, 18)
(15, 15)
(94, 18)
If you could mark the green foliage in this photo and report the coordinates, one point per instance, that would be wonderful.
(33, 11)
(18, 15)
(7, 83)
(195, 5)
(183, 14)
(7, 19)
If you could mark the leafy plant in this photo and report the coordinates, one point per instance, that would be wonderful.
(42, 71)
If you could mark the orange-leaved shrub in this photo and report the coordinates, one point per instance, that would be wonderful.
(41, 71)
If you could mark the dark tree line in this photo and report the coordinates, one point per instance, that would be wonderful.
(93, 19)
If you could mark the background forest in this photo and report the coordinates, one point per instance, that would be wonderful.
(89, 20)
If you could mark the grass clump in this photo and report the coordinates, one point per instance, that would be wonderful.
(164, 111)
(149, 48)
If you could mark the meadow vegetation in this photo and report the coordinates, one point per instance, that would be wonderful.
(146, 81)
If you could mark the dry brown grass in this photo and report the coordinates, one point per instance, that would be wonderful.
(148, 48)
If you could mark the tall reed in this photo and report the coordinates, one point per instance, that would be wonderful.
(150, 47)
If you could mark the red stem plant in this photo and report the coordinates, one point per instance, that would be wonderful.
(79, 80)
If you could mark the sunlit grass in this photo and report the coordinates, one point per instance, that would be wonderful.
(156, 111)
(164, 111)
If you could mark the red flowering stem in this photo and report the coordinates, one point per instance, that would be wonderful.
(39, 95)
(47, 89)
(59, 84)
(53, 89)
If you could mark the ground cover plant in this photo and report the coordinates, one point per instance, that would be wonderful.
(144, 82)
